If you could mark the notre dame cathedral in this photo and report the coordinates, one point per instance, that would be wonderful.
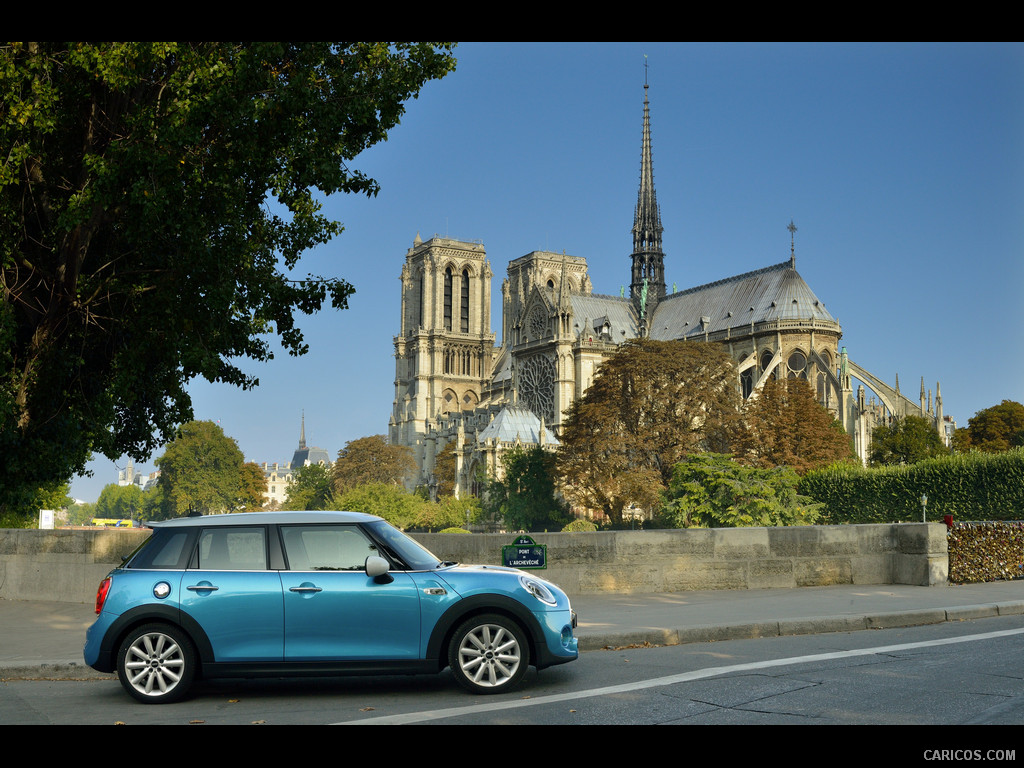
(455, 387)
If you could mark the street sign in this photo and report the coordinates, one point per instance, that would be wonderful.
(525, 553)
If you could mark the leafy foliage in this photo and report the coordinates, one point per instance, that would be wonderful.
(579, 525)
(310, 489)
(444, 471)
(652, 404)
(711, 490)
(137, 246)
(787, 426)
(201, 470)
(371, 460)
(253, 487)
(972, 486)
(448, 513)
(392, 502)
(120, 502)
(525, 497)
(905, 441)
(994, 429)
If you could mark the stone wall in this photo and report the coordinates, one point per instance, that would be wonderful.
(67, 565)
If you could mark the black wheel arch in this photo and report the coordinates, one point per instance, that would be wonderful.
(146, 614)
(440, 637)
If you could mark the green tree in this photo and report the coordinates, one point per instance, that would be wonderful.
(525, 496)
(371, 460)
(650, 405)
(310, 489)
(253, 487)
(448, 512)
(392, 502)
(23, 511)
(201, 470)
(120, 502)
(905, 441)
(155, 199)
(711, 490)
(992, 430)
(787, 426)
(444, 471)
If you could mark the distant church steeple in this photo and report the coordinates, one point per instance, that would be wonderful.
(647, 285)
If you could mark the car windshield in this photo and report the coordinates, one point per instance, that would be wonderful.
(415, 556)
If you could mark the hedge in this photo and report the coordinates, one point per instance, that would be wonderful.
(971, 486)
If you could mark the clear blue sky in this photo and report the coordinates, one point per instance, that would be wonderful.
(902, 166)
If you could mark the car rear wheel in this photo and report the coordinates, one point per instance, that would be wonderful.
(156, 664)
(489, 654)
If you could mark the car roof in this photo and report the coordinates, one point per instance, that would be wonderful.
(266, 518)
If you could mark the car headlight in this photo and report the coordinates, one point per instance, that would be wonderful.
(538, 589)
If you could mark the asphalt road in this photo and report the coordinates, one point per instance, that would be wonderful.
(955, 674)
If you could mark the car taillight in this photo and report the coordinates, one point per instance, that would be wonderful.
(101, 594)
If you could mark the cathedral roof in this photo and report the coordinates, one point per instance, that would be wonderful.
(775, 293)
(593, 307)
(516, 422)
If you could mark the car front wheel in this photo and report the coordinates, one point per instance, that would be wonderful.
(156, 664)
(489, 654)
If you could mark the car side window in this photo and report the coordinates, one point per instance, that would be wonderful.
(326, 547)
(233, 549)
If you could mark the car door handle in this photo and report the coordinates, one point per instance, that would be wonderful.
(305, 589)
(202, 588)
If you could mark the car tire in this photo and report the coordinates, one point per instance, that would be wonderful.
(156, 663)
(489, 654)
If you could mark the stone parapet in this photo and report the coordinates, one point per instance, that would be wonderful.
(67, 565)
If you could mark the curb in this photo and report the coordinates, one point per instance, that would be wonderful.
(789, 627)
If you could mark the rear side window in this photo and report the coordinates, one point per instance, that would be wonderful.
(233, 549)
(165, 550)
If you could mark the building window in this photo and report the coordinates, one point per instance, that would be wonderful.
(464, 325)
(448, 299)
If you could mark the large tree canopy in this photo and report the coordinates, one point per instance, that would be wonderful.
(651, 404)
(371, 460)
(787, 426)
(992, 430)
(905, 441)
(201, 471)
(137, 246)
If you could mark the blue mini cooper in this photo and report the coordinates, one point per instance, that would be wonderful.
(282, 594)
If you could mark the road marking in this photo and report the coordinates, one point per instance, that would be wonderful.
(697, 674)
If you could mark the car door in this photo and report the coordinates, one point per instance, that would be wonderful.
(333, 610)
(233, 595)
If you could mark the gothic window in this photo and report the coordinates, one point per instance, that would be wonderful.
(538, 323)
(421, 302)
(766, 360)
(448, 299)
(464, 324)
(537, 386)
(797, 365)
(747, 382)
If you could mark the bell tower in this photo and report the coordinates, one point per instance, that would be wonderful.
(445, 349)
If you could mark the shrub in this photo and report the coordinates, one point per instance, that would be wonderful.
(580, 525)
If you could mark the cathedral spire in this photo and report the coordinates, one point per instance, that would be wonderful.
(647, 256)
(302, 432)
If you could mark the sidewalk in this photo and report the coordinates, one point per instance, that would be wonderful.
(44, 640)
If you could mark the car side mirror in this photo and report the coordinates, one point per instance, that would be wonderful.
(377, 569)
